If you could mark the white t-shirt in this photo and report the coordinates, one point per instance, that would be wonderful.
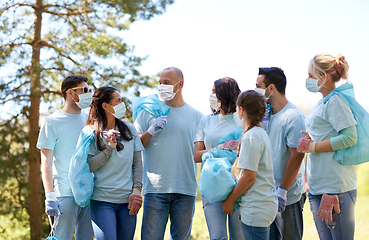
(59, 132)
(258, 206)
(168, 165)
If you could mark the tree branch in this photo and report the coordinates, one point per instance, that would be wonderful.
(72, 13)
(14, 5)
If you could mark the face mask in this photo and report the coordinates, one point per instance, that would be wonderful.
(260, 90)
(119, 110)
(312, 85)
(166, 93)
(214, 102)
(238, 121)
(84, 100)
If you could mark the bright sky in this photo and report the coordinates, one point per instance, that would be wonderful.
(211, 39)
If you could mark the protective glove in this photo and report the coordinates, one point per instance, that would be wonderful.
(327, 203)
(134, 202)
(306, 144)
(109, 137)
(229, 145)
(282, 199)
(157, 126)
(52, 205)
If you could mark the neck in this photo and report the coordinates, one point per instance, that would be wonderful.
(278, 103)
(111, 122)
(177, 101)
(325, 90)
(71, 108)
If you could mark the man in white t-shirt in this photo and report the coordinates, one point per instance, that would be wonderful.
(57, 141)
(169, 171)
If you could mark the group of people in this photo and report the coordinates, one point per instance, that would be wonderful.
(158, 156)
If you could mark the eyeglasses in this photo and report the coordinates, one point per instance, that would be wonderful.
(85, 89)
(120, 145)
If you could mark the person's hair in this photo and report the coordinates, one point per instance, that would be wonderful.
(227, 91)
(325, 64)
(97, 116)
(71, 82)
(177, 71)
(254, 104)
(274, 75)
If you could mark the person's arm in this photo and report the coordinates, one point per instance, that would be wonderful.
(96, 161)
(145, 138)
(156, 127)
(292, 168)
(199, 151)
(244, 183)
(46, 169)
(137, 170)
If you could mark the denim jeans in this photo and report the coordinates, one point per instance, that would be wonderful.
(290, 225)
(216, 220)
(344, 222)
(157, 208)
(73, 217)
(255, 233)
(111, 221)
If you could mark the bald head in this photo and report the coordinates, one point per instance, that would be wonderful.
(178, 73)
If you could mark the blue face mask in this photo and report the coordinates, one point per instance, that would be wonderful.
(312, 85)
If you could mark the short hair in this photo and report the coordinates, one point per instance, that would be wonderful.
(71, 82)
(274, 75)
(325, 64)
(177, 71)
(227, 91)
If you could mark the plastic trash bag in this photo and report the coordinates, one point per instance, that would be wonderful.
(359, 153)
(80, 177)
(151, 104)
(52, 231)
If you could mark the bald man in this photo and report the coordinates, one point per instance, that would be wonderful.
(169, 178)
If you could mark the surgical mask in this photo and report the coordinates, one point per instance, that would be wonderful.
(312, 85)
(213, 100)
(166, 93)
(238, 121)
(119, 110)
(260, 90)
(84, 100)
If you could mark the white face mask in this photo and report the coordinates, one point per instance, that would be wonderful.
(312, 85)
(84, 100)
(238, 121)
(213, 100)
(166, 93)
(260, 90)
(119, 110)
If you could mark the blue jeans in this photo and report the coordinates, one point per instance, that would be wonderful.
(344, 222)
(157, 208)
(111, 221)
(290, 225)
(73, 217)
(216, 220)
(255, 233)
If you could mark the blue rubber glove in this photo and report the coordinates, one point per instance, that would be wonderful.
(52, 205)
(157, 126)
(282, 199)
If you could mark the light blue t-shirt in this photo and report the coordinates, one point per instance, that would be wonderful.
(214, 127)
(258, 206)
(324, 173)
(59, 132)
(168, 165)
(284, 131)
(114, 179)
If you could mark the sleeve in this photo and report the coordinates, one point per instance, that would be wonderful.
(96, 161)
(137, 170)
(339, 113)
(294, 131)
(200, 134)
(47, 137)
(137, 141)
(250, 152)
(143, 121)
(346, 139)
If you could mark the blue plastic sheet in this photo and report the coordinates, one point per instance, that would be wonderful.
(80, 177)
(151, 104)
(359, 153)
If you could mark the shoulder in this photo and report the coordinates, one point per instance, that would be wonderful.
(337, 102)
(255, 134)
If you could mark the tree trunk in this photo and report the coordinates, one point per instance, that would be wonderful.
(35, 202)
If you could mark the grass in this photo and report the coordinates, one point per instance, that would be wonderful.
(200, 231)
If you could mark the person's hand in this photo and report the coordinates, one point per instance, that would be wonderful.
(110, 137)
(229, 145)
(157, 126)
(52, 205)
(134, 202)
(228, 207)
(282, 199)
(306, 144)
(327, 204)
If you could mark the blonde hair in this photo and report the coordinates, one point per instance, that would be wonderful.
(325, 64)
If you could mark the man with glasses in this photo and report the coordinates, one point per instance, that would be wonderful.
(57, 141)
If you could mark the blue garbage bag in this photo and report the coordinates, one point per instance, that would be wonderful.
(80, 177)
(359, 153)
(151, 104)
